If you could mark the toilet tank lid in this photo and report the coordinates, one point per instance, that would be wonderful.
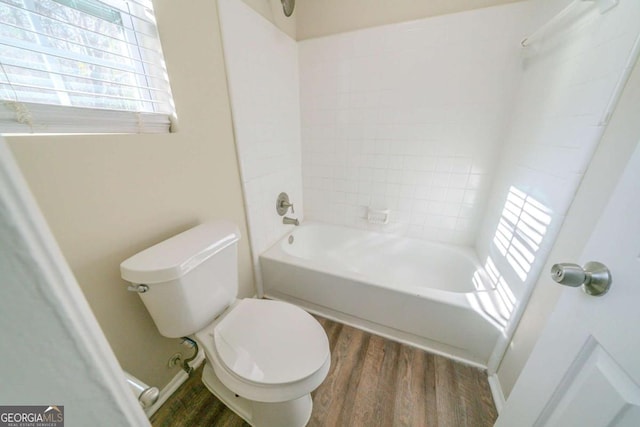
(176, 256)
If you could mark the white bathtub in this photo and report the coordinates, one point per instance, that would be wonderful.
(409, 290)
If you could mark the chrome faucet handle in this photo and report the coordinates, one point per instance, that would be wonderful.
(283, 205)
(288, 205)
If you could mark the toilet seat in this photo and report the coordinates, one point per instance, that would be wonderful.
(268, 351)
(270, 342)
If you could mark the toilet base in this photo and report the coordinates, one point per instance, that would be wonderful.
(292, 413)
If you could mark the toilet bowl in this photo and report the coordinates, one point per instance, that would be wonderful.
(265, 352)
(269, 351)
(264, 357)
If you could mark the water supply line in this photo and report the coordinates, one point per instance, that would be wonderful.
(185, 364)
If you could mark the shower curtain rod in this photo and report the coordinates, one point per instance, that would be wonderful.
(603, 5)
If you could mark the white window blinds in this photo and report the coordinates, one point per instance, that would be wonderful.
(82, 66)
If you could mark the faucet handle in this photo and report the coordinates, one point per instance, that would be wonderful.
(288, 205)
(283, 205)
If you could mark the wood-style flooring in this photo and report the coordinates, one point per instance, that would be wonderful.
(373, 382)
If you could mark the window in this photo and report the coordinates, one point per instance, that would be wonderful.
(82, 66)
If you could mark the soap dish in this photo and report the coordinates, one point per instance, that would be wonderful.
(378, 216)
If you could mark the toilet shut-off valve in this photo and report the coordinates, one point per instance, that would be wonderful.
(595, 277)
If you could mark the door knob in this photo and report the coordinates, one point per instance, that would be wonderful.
(595, 277)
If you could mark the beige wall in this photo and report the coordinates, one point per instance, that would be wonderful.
(617, 144)
(272, 11)
(317, 18)
(106, 197)
(50, 349)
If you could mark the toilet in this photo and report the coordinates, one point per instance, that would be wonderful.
(264, 357)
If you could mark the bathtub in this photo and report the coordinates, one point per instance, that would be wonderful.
(416, 292)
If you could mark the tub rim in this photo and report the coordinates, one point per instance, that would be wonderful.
(460, 299)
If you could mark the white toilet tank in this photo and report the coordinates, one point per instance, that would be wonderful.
(191, 277)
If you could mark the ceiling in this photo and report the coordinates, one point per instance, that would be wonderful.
(317, 18)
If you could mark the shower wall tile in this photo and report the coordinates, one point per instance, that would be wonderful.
(408, 117)
(567, 82)
(262, 74)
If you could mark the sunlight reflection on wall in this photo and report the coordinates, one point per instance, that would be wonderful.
(523, 224)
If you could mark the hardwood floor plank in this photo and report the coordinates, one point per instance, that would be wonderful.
(228, 419)
(462, 393)
(450, 413)
(415, 389)
(487, 407)
(354, 374)
(364, 401)
(376, 391)
(193, 405)
(328, 406)
(467, 390)
(385, 392)
(430, 390)
(333, 331)
(474, 392)
(210, 411)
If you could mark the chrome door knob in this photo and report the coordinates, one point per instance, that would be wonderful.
(595, 277)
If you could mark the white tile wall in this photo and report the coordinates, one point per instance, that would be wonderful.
(567, 82)
(408, 117)
(435, 119)
(262, 73)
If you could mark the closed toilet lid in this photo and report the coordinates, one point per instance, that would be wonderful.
(271, 342)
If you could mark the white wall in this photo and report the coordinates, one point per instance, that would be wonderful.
(568, 81)
(408, 117)
(262, 73)
(613, 152)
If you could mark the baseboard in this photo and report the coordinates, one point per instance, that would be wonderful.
(496, 392)
(173, 385)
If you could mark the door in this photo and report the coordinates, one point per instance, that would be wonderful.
(585, 368)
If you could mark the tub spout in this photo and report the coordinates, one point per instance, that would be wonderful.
(287, 220)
